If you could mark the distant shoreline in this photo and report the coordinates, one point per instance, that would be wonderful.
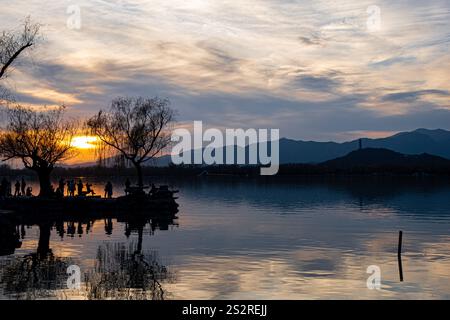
(286, 170)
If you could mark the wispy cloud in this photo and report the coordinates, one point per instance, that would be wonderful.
(234, 62)
(411, 96)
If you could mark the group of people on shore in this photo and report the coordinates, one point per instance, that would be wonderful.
(78, 187)
(70, 188)
(20, 188)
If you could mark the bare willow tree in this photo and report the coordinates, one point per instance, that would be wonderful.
(13, 43)
(136, 128)
(40, 139)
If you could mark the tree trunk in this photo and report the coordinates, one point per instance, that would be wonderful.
(139, 174)
(44, 240)
(140, 237)
(44, 182)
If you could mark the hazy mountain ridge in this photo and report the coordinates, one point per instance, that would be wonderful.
(378, 157)
(433, 142)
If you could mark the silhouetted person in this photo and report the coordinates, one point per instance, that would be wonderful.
(89, 190)
(80, 187)
(29, 192)
(59, 193)
(108, 190)
(71, 188)
(62, 184)
(17, 190)
(23, 186)
(127, 186)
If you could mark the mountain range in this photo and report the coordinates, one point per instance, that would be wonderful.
(421, 141)
(435, 142)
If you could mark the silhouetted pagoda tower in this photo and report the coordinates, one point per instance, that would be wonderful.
(360, 144)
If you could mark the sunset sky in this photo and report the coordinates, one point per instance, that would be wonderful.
(313, 69)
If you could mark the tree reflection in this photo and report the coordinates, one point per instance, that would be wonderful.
(9, 238)
(36, 275)
(121, 271)
(125, 272)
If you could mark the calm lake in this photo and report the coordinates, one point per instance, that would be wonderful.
(239, 238)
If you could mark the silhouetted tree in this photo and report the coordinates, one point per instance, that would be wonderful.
(13, 44)
(38, 274)
(40, 139)
(126, 273)
(136, 128)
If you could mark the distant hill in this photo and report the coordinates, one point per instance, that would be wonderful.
(434, 142)
(376, 157)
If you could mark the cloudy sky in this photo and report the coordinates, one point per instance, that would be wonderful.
(322, 70)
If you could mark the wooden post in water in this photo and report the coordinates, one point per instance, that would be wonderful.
(399, 255)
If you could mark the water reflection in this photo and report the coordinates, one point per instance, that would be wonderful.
(121, 271)
(407, 195)
(268, 239)
(35, 275)
(126, 272)
(9, 238)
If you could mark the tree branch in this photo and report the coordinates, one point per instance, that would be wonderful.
(14, 57)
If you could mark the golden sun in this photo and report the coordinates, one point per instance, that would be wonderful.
(84, 142)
